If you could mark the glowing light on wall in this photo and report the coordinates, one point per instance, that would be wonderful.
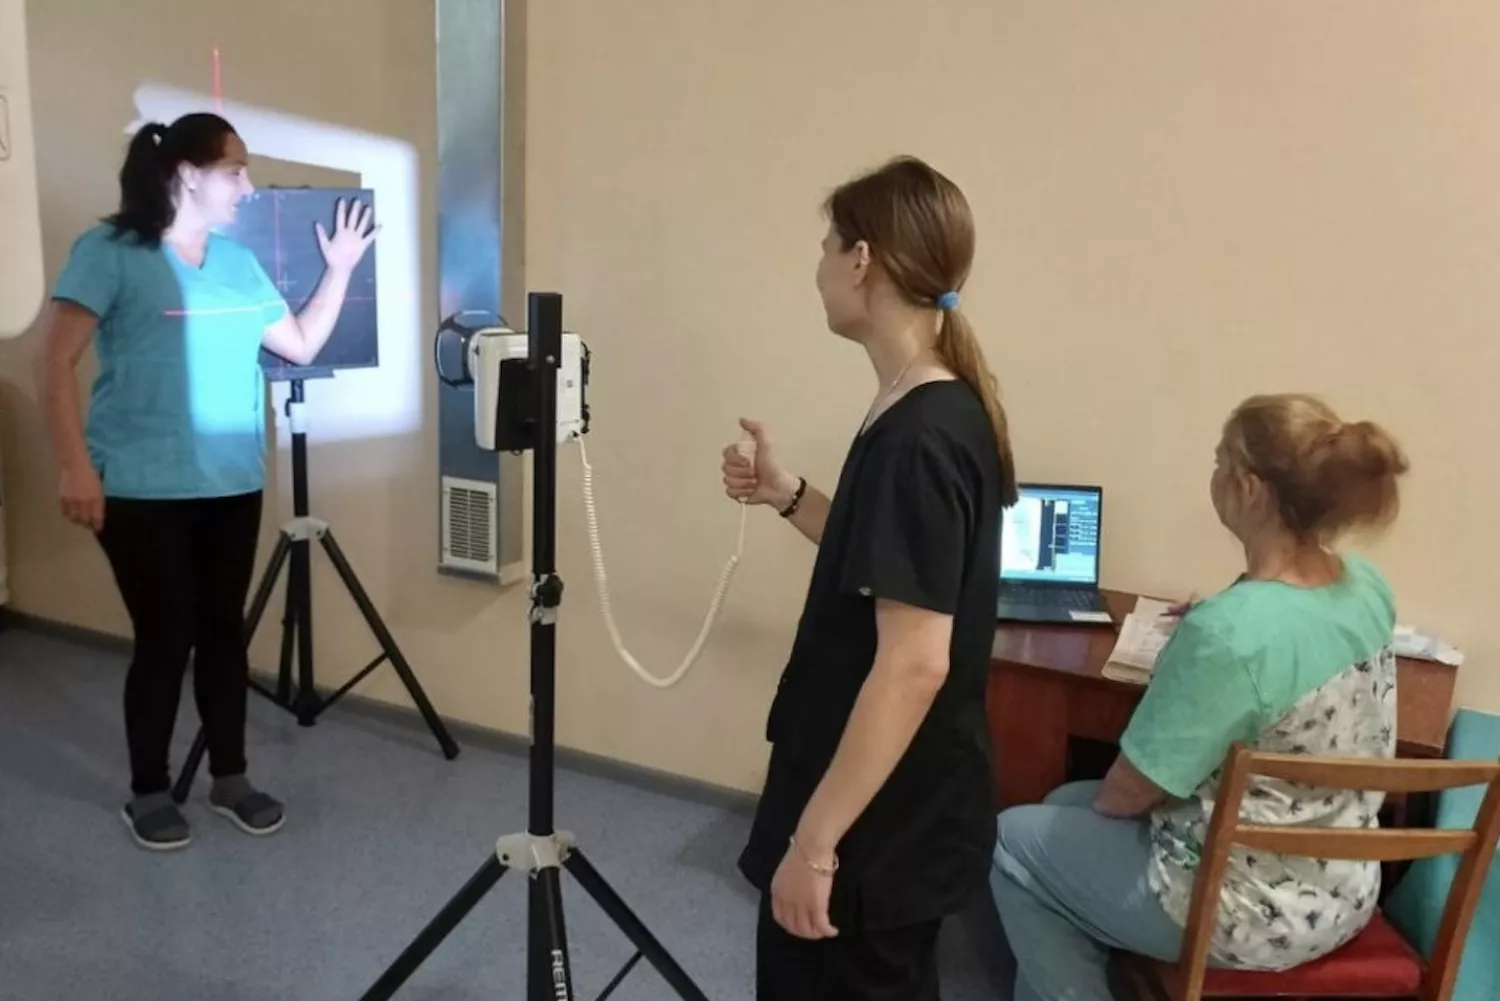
(363, 403)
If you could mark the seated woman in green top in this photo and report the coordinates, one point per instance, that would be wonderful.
(1295, 657)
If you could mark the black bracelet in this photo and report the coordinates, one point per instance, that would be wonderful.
(791, 508)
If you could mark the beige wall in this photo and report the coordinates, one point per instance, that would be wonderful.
(1177, 206)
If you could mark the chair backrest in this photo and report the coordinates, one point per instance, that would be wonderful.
(1226, 831)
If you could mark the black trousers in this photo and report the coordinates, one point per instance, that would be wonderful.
(898, 964)
(183, 568)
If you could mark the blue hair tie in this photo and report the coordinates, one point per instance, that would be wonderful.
(947, 301)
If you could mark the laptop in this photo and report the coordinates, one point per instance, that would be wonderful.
(1049, 556)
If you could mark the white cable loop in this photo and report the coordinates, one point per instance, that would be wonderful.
(721, 590)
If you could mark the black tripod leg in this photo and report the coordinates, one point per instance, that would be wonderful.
(283, 694)
(454, 911)
(548, 973)
(289, 626)
(190, 767)
(388, 644)
(258, 604)
(267, 585)
(640, 936)
(306, 705)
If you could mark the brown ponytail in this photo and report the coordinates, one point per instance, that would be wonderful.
(960, 351)
(919, 227)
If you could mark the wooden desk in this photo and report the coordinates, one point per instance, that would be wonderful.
(1046, 690)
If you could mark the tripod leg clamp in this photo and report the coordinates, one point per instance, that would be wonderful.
(305, 529)
(534, 852)
(546, 595)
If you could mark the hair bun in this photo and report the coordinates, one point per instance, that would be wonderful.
(1328, 476)
(1367, 446)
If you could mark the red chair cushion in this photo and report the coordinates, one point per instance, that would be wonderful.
(1377, 964)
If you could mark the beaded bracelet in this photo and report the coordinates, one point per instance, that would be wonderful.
(797, 495)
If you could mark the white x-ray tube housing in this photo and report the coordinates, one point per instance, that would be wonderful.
(504, 401)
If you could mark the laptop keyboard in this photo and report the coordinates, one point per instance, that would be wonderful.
(1052, 597)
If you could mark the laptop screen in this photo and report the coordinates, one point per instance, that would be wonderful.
(1051, 535)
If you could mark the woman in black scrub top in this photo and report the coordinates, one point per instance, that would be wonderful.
(877, 818)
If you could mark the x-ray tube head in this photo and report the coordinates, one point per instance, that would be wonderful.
(21, 277)
(496, 363)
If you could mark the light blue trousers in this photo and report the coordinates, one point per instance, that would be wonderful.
(1070, 884)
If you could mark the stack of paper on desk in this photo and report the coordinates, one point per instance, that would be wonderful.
(1142, 635)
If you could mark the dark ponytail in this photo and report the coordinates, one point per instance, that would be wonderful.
(150, 170)
(145, 188)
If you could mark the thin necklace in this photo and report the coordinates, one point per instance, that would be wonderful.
(870, 417)
(900, 375)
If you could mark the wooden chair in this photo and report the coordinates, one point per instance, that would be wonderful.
(1378, 963)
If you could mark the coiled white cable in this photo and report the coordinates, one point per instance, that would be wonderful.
(721, 590)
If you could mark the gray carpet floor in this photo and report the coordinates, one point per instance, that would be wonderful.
(381, 831)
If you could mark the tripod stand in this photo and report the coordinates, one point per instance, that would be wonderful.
(541, 851)
(293, 549)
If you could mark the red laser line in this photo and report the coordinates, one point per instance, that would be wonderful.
(220, 310)
(257, 308)
(254, 308)
(218, 83)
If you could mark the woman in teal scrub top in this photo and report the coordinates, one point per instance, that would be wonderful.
(1295, 657)
(168, 469)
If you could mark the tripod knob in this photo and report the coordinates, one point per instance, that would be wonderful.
(547, 592)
